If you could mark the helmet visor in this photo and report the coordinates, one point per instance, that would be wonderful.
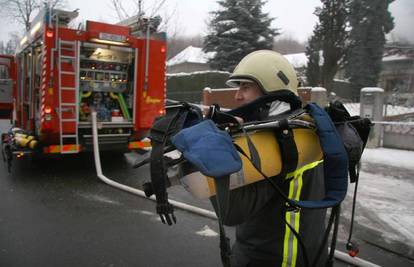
(237, 81)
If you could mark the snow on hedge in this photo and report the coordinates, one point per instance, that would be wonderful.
(179, 74)
(372, 90)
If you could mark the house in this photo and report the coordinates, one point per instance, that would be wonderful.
(397, 75)
(299, 61)
(191, 59)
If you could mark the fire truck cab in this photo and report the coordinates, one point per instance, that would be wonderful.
(64, 73)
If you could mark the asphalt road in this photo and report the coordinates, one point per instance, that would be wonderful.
(59, 214)
(55, 212)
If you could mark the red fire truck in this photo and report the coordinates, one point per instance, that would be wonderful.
(64, 73)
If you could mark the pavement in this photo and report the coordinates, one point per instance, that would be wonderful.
(384, 215)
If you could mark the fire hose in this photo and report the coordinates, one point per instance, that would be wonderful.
(103, 178)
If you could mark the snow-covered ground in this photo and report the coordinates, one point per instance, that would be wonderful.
(392, 157)
(386, 200)
(385, 204)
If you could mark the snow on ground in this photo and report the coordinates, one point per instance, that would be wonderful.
(393, 157)
(385, 204)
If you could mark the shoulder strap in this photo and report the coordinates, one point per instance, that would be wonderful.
(335, 160)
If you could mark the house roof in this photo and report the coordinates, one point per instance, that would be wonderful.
(298, 60)
(190, 54)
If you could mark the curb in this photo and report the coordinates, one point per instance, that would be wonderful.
(378, 239)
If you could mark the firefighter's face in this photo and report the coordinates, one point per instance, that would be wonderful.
(247, 92)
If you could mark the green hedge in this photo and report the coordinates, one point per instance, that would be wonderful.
(189, 86)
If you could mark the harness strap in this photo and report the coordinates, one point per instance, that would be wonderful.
(175, 119)
(159, 180)
(335, 161)
(288, 149)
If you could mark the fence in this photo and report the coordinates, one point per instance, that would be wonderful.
(396, 125)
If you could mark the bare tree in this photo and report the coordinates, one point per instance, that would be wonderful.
(145, 8)
(288, 45)
(23, 11)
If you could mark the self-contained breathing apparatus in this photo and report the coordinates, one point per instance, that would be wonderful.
(300, 136)
(15, 140)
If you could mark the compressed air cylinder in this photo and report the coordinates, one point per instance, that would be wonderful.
(25, 141)
(307, 143)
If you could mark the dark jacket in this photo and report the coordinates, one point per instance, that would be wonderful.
(259, 214)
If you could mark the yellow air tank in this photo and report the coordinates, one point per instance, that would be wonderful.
(308, 147)
(25, 141)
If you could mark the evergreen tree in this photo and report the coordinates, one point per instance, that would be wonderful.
(370, 21)
(236, 29)
(329, 36)
(313, 69)
(2, 47)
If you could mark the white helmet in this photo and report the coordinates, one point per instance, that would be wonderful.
(269, 69)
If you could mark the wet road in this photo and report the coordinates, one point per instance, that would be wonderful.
(59, 214)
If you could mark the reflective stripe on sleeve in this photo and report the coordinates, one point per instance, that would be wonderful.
(290, 244)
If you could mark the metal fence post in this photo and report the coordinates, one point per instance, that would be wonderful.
(372, 106)
(319, 96)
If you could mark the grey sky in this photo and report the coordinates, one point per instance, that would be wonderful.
(294, 17)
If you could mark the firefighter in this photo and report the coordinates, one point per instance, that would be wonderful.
(260, 215)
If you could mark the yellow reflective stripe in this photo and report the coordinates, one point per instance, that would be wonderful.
(64, 148)
(286, 244)
(290, 244)
(303, 169)
(297, 217)
(54, 149)
(139, 144)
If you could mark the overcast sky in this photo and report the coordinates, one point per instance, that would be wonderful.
(294, 17)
